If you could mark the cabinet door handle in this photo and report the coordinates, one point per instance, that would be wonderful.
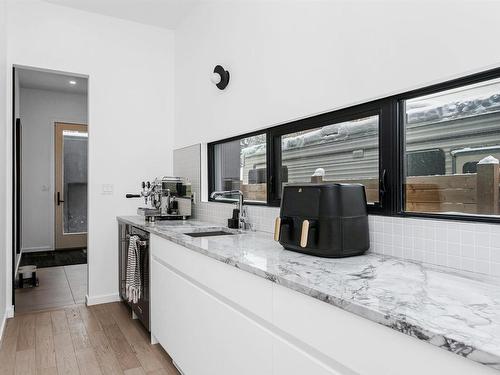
(59, 200)
(305, 233)
(277, 229)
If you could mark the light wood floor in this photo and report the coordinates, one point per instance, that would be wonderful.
(94, 340)
(58, 287)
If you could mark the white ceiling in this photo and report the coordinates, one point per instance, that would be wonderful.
(162, 13)
(35, 79)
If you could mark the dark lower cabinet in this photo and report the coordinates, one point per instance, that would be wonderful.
(142, 307)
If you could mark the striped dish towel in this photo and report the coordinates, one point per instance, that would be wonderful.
(133, 283)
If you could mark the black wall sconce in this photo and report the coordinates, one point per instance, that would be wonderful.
(220, 77)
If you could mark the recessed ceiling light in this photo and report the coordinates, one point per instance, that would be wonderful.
(72, 82)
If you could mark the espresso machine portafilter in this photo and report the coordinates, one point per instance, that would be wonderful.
(146, 192)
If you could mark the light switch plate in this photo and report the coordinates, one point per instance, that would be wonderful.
(107, 189)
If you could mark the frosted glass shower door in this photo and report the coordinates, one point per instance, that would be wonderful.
(71, 144)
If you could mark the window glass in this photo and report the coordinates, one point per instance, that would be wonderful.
(452, 147)
(346, 151)
(241, 165)
(75, 146)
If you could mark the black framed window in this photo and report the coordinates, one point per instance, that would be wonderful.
(346, 151)
(430, 152)
(347, 145)
(240, 164)
(452, 147)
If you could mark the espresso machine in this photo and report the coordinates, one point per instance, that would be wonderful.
(165, 198)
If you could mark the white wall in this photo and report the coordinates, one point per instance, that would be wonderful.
(5, 282)
(39, 110)
(290, 59)
(130, 69)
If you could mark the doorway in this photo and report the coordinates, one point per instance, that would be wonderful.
(71, 144)
(51, 143)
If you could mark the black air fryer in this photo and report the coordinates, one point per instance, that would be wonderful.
(327, 220)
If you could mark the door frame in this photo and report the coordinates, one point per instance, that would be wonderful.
(10, 203)
(59, 236)
(14, 209)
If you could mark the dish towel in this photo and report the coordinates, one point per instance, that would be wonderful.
(133, 282)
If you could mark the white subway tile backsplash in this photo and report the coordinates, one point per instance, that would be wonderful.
(418, 255)
(495, 269)
(461, 245)
(419, 243)
(441, 247)
(481, 266)
(467, 251)
(482, 253)
(442, 259)
(453, 249)
(430, 257)
(397, 251)
(467, 237)
(418, 231)
(481, 228)
(468, 264)
(495, 239)
(407, 253)
(429, 232)
(388, 227)
(454, 262)
(452, 234)
(482, 238)
(495, 255)
(429, 245)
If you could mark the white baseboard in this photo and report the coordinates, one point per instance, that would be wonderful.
(36, 249)
(9, 312)
(3, 322)
(97, 300)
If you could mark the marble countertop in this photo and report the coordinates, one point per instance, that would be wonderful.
(456, 311)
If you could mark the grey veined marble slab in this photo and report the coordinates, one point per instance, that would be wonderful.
(459, 312)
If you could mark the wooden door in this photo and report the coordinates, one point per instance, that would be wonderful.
(71, 144)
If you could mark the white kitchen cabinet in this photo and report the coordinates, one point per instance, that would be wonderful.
(352, 344)
(214, 319)
(203, 334)
(251, 293)
(288, 359)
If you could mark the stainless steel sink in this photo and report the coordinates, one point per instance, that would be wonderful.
(211, 233)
